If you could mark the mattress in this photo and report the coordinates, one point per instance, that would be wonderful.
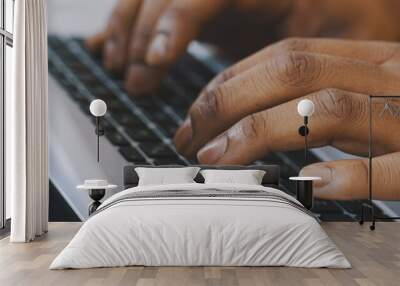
(201, 225)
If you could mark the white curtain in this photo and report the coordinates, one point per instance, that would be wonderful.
(26, 124)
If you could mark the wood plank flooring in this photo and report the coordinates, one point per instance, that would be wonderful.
(375, 257)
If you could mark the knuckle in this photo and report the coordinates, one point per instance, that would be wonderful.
(336, 103)
(210, 105)
(396, 50)
(298, 69)
(176, 13)
(142, 35)
(387, 53)
(223, 77)
(138, 45)
(391, 175)
(343, 106)
(292, 44)
(359, 167)
(394, 54)
(253, 126)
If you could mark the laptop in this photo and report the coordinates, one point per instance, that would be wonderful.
(138, 130)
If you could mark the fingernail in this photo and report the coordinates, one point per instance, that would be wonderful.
(324, 173)
(213, 151)
(184, 135)
(158, 48)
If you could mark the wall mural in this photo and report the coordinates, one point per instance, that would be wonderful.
(212, 82)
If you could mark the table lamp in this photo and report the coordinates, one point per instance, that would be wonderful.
(98, 108)
(305, 108)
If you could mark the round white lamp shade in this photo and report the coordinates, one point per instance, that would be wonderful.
(98, 107)
(305, 108)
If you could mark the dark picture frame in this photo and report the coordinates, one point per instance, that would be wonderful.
(370, 204)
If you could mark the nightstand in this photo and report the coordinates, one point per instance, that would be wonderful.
(304, 190)
(97, 190)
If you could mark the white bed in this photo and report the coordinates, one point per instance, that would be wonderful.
(185, 230)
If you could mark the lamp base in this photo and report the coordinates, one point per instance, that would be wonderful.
(303, 130)
(96, 195)
(304, 193)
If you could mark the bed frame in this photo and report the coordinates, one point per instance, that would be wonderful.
(270, 179)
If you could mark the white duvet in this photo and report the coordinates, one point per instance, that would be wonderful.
(200, 231)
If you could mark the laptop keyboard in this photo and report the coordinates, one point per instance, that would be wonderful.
(142, 128)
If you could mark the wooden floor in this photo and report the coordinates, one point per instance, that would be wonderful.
(375, 257)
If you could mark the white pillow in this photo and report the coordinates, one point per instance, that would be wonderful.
(248, 177)
(162, 176)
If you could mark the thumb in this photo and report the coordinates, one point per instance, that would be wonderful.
(340, 180)
(348, 179)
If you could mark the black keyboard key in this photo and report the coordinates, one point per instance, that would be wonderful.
(77, 67)
(182, 113)
(66, 56)
(197, 67)
(141, 135)
(165, 122)
(177, 103)
(169, 161)
(157, 150)
(116, 138)
(197, 76)
(115, 106)
(325, 207)
(131, 155)
(101, 92)
(52, 68)
(145, 102)
(169, 129)
(75, 93)
(178, 88)
(104, 124)
(89, 79)
(128, 120)
(80, 97)
(54, 42)
(159, 116)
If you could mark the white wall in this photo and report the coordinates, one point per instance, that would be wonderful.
(9, 66)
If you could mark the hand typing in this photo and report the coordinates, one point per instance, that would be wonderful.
(250, 109)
